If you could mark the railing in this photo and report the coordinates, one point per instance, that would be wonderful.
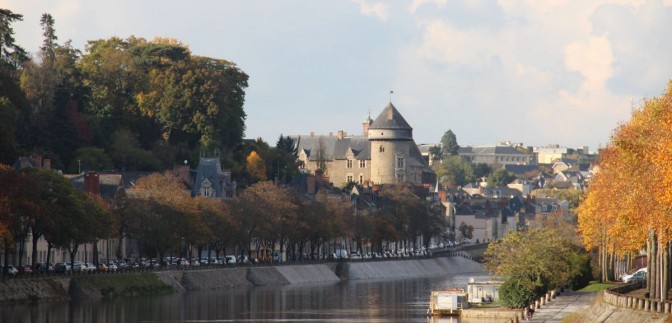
(614, 296)
(72, 273)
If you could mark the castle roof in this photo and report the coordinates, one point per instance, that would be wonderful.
(333, 147)
(390, 118)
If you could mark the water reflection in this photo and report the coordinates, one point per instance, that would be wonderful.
(356, 301)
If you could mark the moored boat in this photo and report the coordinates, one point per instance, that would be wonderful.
(447, 302)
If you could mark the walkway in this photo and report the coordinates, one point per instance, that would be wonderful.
(561, 306)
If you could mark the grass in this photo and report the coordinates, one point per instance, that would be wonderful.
(596, 287)
(130, 284)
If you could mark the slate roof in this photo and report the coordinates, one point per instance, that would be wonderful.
(390, 118)
(334, 148)
(109, 183)
(210, 169)
(490, 150)
(520, 170)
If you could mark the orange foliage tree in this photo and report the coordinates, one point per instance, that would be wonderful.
(628, 203)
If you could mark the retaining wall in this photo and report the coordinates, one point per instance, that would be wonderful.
(614, 296)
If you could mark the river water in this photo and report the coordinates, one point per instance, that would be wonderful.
(353, 301)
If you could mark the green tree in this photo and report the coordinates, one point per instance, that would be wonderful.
(49, 44)
(435, 153)
(12, 55)
(500, 177)
(286, 159)
(449, 144)
(8, 117)
(455, 171)
(481, 170)
(90, 159)
(201, 96)
(524, 255)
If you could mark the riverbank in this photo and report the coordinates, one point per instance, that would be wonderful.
(153, 283)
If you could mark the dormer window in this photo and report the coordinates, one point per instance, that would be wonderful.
(400, 162)
(349, 163)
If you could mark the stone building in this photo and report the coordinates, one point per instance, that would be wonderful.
(385, 153)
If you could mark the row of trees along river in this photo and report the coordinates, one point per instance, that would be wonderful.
(160, 215)
(629, 203)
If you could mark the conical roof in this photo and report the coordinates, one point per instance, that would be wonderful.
(390, 118)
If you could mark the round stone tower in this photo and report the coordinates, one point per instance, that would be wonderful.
(391, 139)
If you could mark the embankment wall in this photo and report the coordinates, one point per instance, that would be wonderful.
(59, 288)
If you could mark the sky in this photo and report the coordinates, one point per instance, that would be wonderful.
(563, 72)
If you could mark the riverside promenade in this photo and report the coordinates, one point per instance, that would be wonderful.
(563, 305)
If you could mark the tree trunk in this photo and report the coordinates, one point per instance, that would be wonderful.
(665, 274)
(649, 257)
(49, 246)
(654, 268)
(36, 236)
(6, 261)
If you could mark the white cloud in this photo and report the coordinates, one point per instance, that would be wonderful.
(378, 9)
(592, 58)
(416, 4)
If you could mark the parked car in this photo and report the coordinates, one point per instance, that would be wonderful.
(230, 260)
(78, 266)
(26, 269)
(111, 266)
(62, 267)
(638, 276)
(102, 267)
(89, 267)
(42, 267)
(11, 270)
(626, 277)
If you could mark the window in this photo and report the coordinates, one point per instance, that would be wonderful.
(381, 149)
(349, 178)
(400, 162)
(361, 179)
(349, 163)
(362, 164)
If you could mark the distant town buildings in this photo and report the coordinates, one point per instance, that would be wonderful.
(384, 153)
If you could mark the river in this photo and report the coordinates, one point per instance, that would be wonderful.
(352, 301)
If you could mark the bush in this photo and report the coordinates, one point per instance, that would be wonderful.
(584, 276)
(517, 292)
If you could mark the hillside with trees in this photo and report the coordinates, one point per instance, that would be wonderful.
(124, 104)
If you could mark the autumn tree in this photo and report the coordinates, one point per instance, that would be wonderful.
(256, 166)
(622, 211)
(165, 214)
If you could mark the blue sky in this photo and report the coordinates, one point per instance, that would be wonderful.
(537, 72)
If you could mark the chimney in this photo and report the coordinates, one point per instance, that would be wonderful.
(341, 134)
(331, 134)
(37, 161)
(365, 126)
(312, 134)
(442, 196)
(46, 163)
(92, 183)
(24, 162)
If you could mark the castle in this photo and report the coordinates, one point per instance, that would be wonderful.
(384, 154)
